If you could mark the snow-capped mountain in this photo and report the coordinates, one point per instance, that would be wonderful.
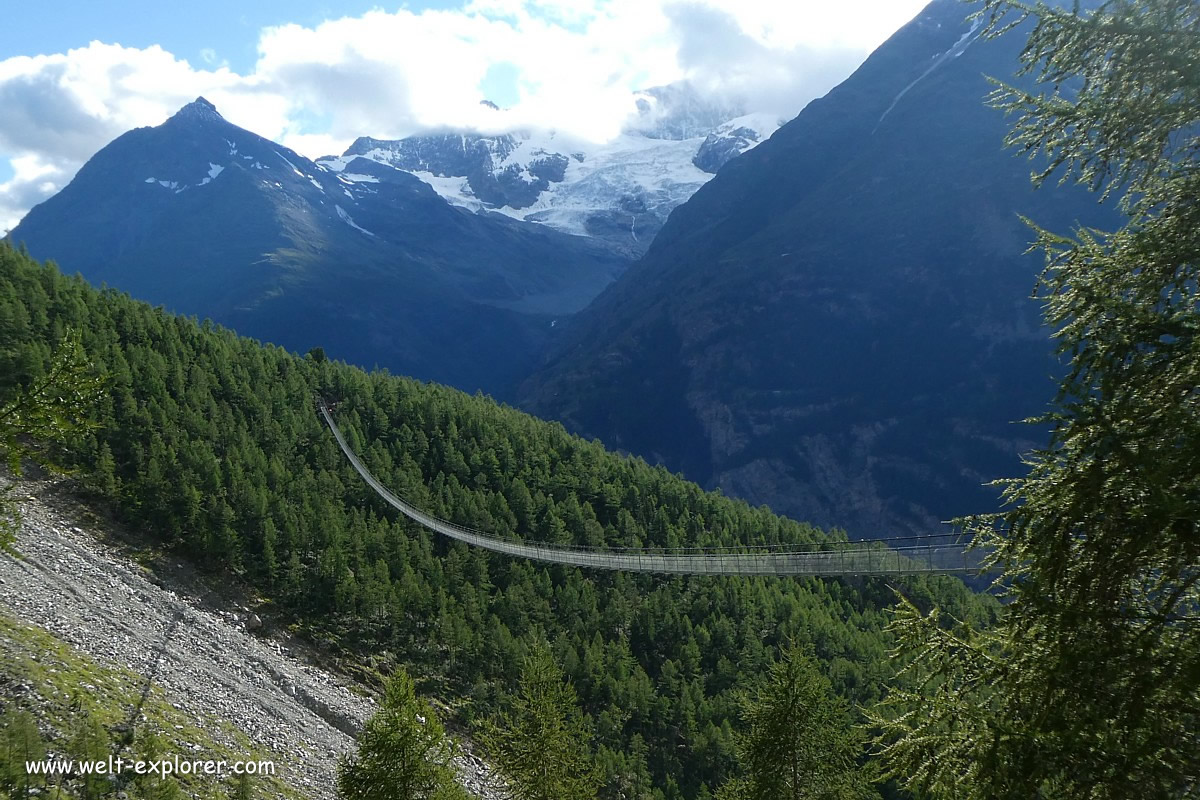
(838, 324)
(732, 138)
(620, 192)
(680, 111)
(210, 219)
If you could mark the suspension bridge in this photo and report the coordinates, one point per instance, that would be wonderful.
(944, 553)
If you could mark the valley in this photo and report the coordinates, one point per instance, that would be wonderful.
(832, 324)
(653, 401)
(209, 444)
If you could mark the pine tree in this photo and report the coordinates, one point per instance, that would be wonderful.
(52, 410)
(20, 743)
(90, 742)
(151, 786)
(800, 742)
(1090, 687)
(403, 751)
(540, 745)
(104, 475)
(243, 787)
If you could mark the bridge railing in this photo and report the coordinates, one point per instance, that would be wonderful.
(933, 553)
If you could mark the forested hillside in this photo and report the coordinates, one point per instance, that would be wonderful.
(211, 442)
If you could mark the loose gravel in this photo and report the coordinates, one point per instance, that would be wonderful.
(212, 657)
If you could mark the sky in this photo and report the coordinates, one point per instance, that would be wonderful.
(316, 74)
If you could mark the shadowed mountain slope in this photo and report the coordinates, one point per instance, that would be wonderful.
(210, 219)
(839, 323)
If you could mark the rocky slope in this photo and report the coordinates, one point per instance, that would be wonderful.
(214, 660)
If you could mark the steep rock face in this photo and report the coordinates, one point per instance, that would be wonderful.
(472, 157)
(619, 192)
(212, 220)
(838, 324)
(730, 140)
(679, 111)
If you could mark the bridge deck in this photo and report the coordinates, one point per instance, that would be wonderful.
(914, 555)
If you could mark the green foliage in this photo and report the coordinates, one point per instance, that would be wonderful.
(243, 787)
(801, 742)
(152, 786)
(21, 742)
(211, 444)
(52, 410)
(403, 751)
(940, 714)
(540, 744)
(1091, 686)
(90, 741)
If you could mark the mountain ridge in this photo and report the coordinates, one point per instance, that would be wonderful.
(213, 220)
(620, 192)
(838, 324)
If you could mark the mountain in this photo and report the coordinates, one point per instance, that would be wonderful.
(619, 192)
(839, 323)
(210, 219)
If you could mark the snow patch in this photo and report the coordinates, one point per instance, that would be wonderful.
(633, 181)
(315, 183)
(213, 171)
(454, 190)
(764, 124)
(346, 218)
(336, 164)
(658, 173)
(956, 50)
(290, 164)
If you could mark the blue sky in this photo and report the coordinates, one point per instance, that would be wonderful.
(227, 29)
(315, 74)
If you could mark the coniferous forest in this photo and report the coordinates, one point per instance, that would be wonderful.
(211, 443)
(1083, 683)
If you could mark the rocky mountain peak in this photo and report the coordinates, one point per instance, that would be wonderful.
(200, 110)
(680, 111)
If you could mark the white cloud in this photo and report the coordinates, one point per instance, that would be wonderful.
(389, 74)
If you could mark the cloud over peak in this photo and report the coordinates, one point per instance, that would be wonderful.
(568, 65)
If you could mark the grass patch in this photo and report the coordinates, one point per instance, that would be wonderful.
(67, 693)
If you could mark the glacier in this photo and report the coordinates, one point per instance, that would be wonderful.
(620, 191)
